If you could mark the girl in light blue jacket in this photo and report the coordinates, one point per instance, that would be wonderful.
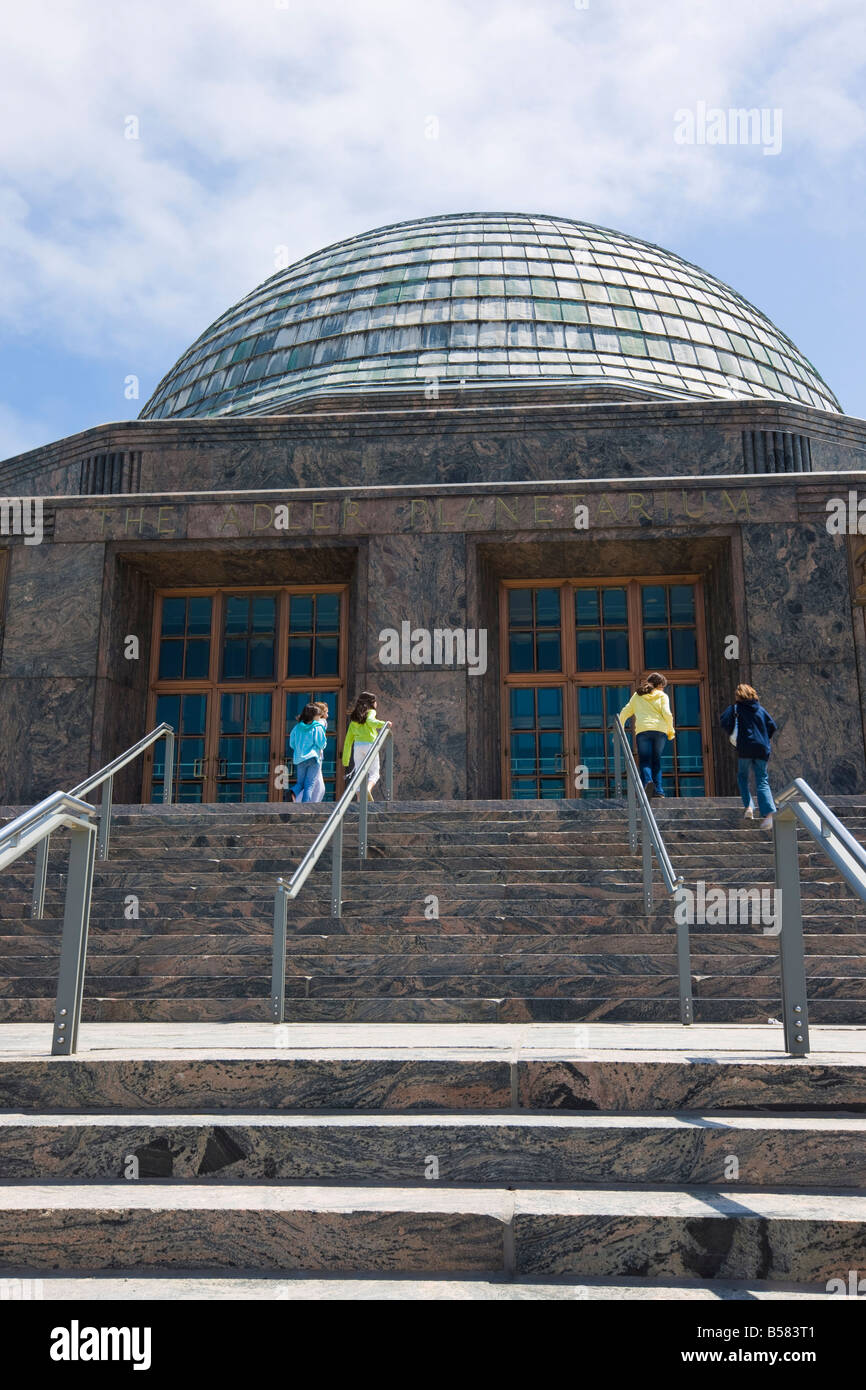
(307, 742)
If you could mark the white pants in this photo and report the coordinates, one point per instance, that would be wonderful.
(359, 757)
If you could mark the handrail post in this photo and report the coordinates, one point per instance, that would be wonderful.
(168, 777)
(647, 853)
(73, 950)
(278, 965)
(337, 872)
(40, 877)
(792, 961)
(684, 967)
(389, 770)
(363, 803)
(104, 834)
(617, 765)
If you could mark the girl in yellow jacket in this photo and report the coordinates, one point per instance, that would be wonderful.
(654, 726)
(364, 728)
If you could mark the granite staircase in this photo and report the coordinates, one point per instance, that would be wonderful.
(464, 912)
(569, 1171)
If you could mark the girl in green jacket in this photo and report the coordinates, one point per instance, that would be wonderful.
(364, 727)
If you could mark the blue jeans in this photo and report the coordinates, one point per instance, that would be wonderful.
(766, 804)
(310, 785)
(650, 746)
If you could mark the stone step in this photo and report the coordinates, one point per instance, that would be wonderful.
(518, 983)
(741, 944)
(439, 1009)
(362, 1071)
(111, 943)
(591, 1232)
(383, 965)
(604, 920)
(477, 1149)
(187, 1284)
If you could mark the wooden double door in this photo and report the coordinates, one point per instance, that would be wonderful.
(231, 669)
(572, 653)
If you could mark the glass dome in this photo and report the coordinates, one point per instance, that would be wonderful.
(486, 299)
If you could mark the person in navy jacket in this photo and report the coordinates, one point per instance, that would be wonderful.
(755, 727)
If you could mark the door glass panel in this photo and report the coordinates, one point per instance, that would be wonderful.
(187, 715)
(243, 757)
(596, 707)
(537, 743)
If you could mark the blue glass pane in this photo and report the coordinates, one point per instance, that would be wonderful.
(197, 660)
(173, 617)
(237, 615)
(656, 652)
(198, 618)
(682, 603)
(548, 652)
(261, 658)
(614, 605)
(300, 656)
(258, 712)
(232, 713)
(589, 650)
(522, 707)
(615, 650)
(170, 659)
(194, 713)
(520, 652)
(684, 648)
(328, 612)
(520, 607)
(547, 608)
(234, 659)
(586, 607)
(264, 613)
(687, 705)
(327, 656)
(549, 708)
(590, 706)
(653, 603)
(301, 613)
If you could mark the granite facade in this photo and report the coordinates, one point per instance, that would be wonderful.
(422, 511)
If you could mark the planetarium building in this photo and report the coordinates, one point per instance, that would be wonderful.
(490, 466)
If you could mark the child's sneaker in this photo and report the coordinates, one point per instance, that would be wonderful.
(749, 813)
(767, 822)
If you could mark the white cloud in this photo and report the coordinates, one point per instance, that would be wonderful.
(262, 126)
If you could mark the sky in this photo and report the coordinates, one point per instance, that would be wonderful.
(158, 157)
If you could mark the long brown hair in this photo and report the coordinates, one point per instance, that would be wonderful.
(654, 680)
(365, 702)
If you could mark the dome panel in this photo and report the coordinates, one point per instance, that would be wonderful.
(487, 299)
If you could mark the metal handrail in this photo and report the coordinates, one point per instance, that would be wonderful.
(105, 775)
(34, 827)
(798, 803)
(651, 840)
(331, 833)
